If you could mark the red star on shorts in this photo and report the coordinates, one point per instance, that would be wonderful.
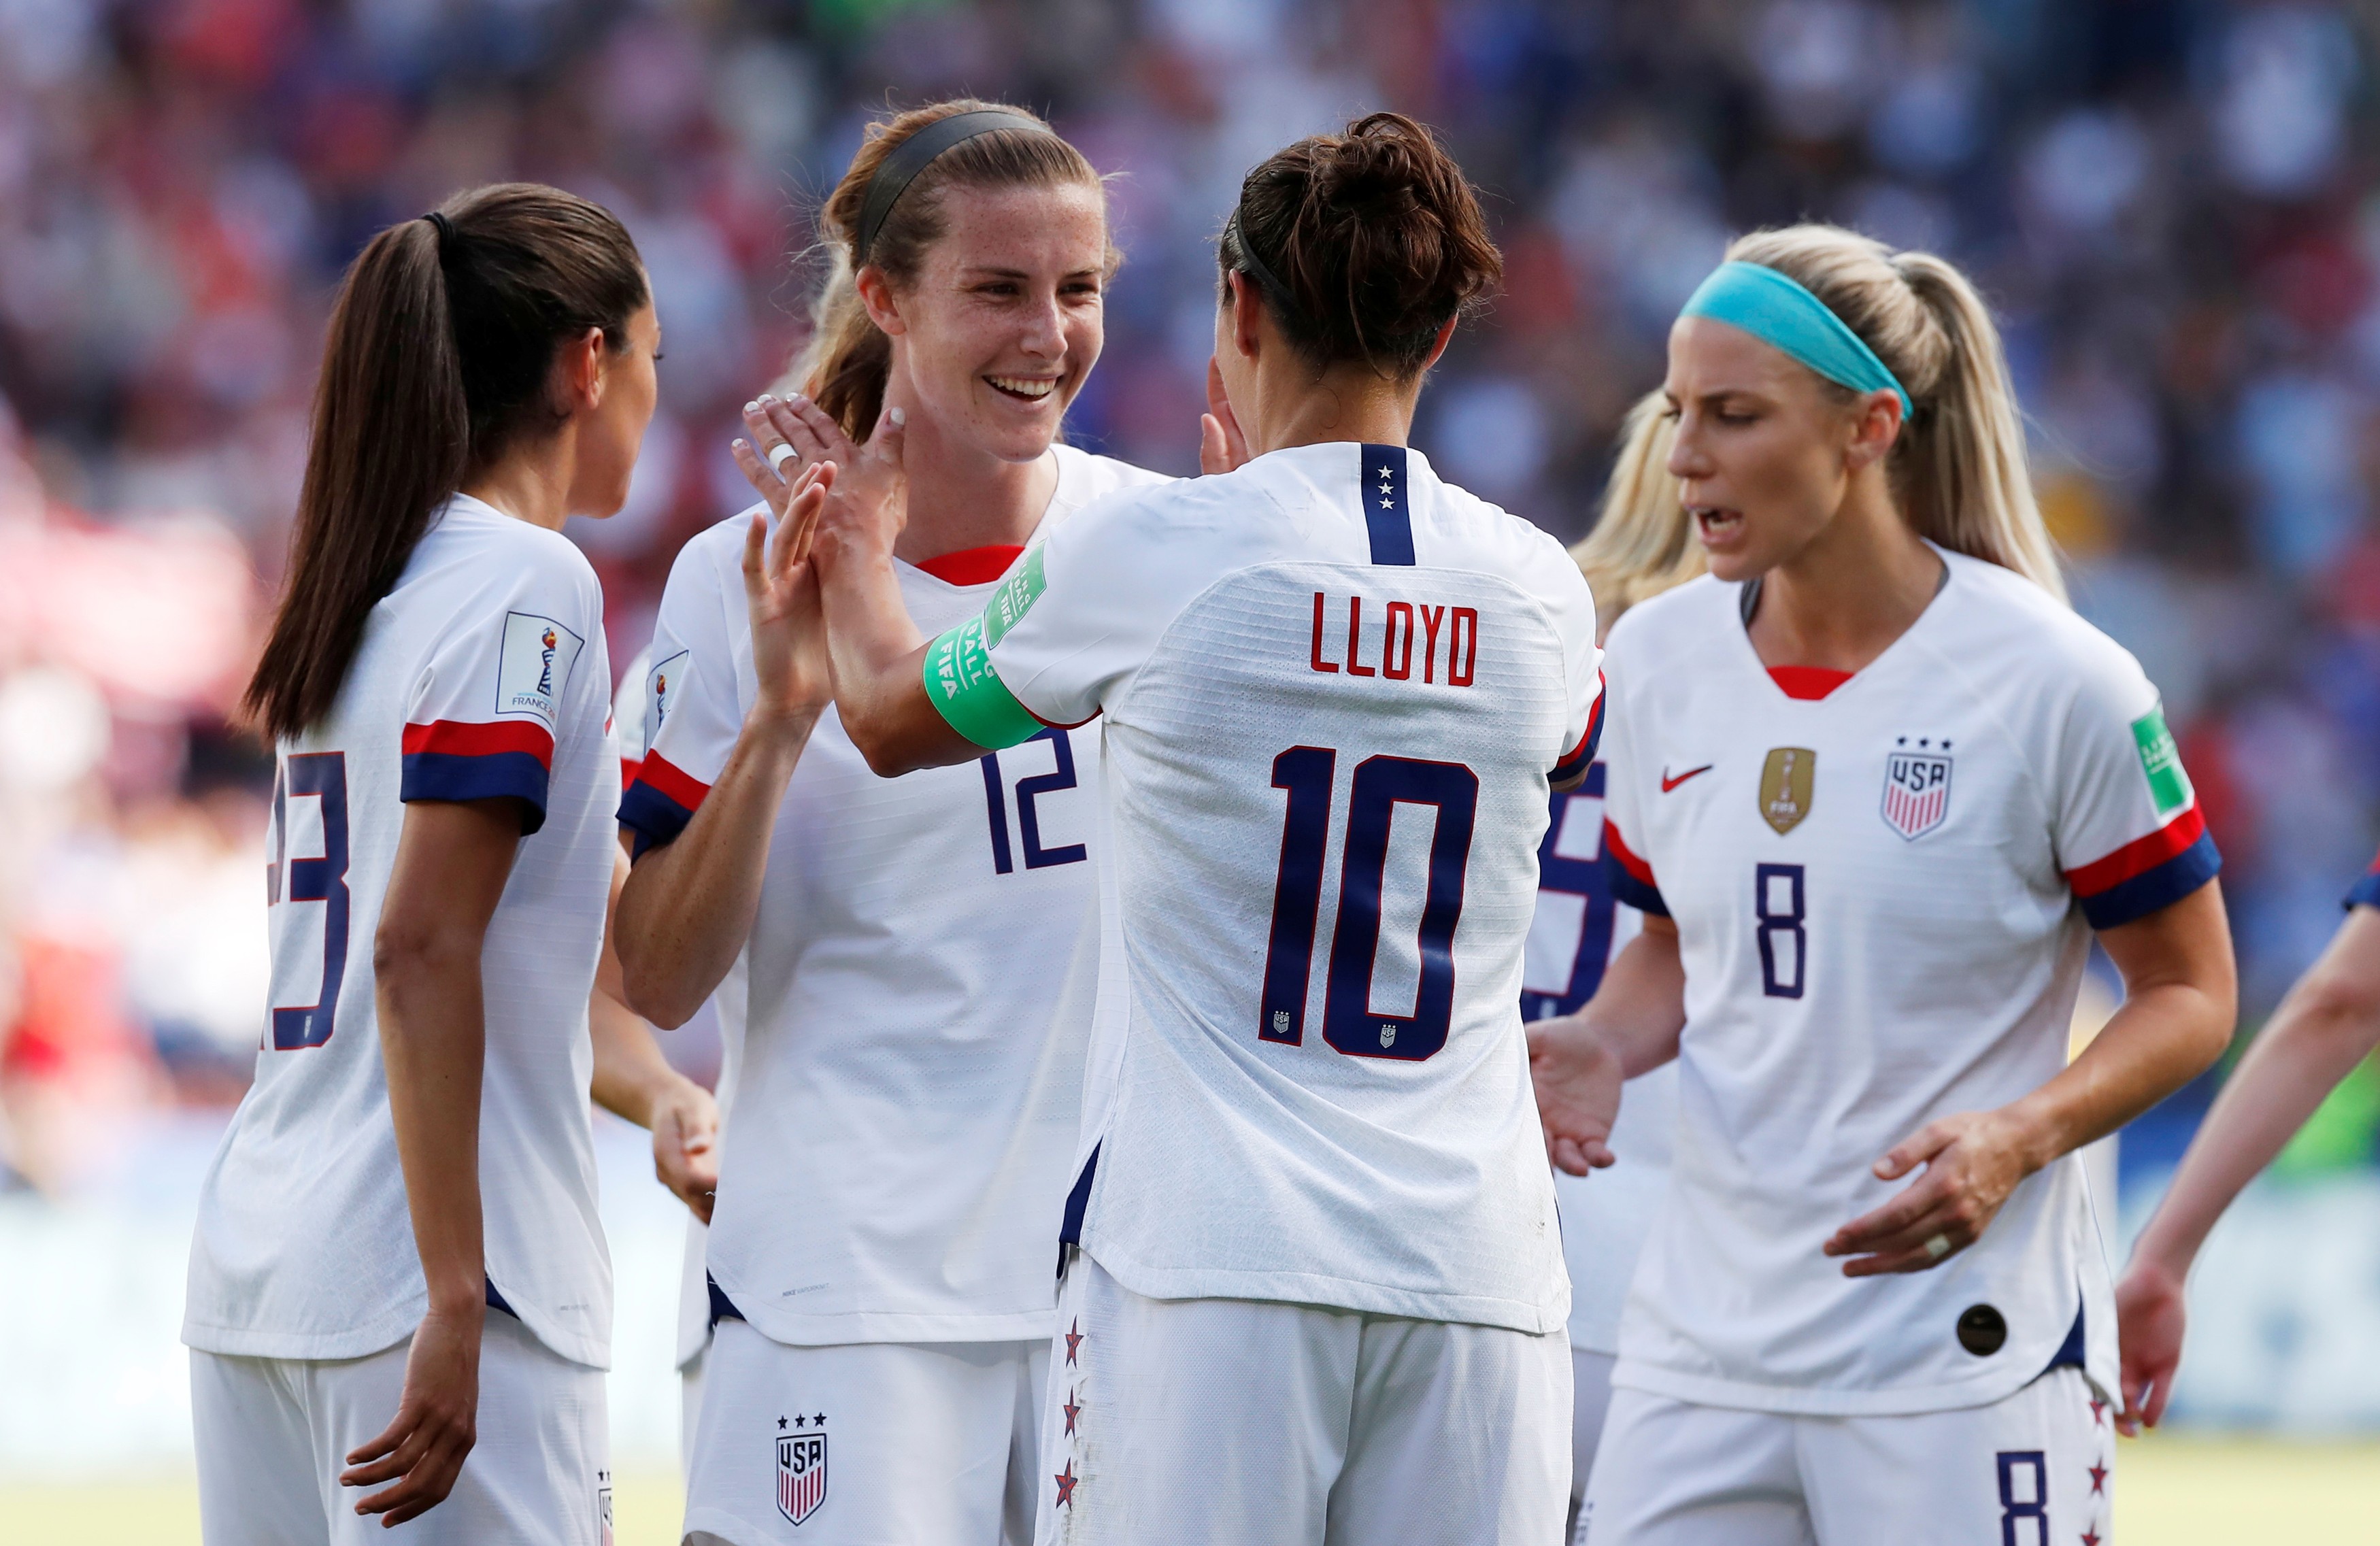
(1070, 1409)
(2091, 1537)
(1066, 1479)
(2099, 1413)
(1074, 1338)
(2100, 1479)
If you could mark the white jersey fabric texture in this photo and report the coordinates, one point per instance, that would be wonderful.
(1334, 691)
(2033, 1469)
(896, 1151)
(481, 674)
(1193, 1422)
(275, 1433)
(1884, 900)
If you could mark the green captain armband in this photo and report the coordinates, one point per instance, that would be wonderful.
(968, 693)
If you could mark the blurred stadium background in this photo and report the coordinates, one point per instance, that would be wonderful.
(2174, 206)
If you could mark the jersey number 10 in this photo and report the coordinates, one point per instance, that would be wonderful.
(1349, 1023)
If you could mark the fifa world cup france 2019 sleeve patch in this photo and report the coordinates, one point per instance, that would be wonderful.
(960, 681)
(2152, 873)
(1631, 876)
(538, 656)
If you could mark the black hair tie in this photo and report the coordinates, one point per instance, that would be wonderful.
(444, 228)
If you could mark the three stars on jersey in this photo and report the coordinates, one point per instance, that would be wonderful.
(801, 1465)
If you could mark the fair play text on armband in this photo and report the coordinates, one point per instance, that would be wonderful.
(968, 693)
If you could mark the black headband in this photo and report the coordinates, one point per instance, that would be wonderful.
(911, 156)
(444, 228)
(1278, 293)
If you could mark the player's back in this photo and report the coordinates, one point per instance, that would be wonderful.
(1338, 689)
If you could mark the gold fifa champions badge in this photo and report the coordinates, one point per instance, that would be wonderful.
(1785, 785)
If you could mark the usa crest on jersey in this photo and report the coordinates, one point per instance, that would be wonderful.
(1916, 789)
(801, 1474)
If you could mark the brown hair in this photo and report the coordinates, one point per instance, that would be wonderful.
(843, 366)
(436, 362)
(1644, 541)
(1364, 244)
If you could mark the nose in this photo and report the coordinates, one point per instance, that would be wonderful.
(1044, 335)
(1686, 458)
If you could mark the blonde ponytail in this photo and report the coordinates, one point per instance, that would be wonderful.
(1959, 472)
(1642, 542)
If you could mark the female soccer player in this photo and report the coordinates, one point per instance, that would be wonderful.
(1875, 788)
(441, 847)
(1643, 544)
(1319, 1294)
(897, 954)
(2328, 1025)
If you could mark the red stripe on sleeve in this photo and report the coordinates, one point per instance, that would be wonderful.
(1594, 723)
(2139, 856)
(449, 737)
(1619, 850)
(668, 778)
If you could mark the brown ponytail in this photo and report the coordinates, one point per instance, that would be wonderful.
(435, 363)
(1364, 244)
(843, 366)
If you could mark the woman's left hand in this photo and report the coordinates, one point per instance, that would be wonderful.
(866, 505)
(1973, 1161)
(686, 1145)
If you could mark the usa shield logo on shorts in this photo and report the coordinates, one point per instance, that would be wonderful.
(801, 1475)
(1917, 788)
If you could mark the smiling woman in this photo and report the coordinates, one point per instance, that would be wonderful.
(906, 1101)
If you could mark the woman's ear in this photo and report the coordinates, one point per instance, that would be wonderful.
(1245, 307)
(579, 368)
(876, 294)
(1873, 431)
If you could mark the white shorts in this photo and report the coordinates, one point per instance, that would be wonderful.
(866, 1444)
(2025, 1471)
(1590, 1380)
(275, 1433)
(1207, 1421)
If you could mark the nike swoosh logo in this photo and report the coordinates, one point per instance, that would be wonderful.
(1669, 784)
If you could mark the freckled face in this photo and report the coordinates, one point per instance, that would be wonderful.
(1006, 316)
(613, 430)
(1760, 446)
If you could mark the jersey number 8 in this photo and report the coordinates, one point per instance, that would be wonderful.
(1349, 1023)
(1781, 904)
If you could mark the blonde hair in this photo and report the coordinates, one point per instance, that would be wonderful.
(1958, 471)
(1642, 542)
(844, 365)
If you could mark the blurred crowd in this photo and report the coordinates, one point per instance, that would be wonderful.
(2175, 208)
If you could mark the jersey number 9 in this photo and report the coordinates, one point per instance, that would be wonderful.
(1349, 1023)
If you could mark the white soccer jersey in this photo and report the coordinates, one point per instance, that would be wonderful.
(1884, 900)
(481, 674)
(909, 1091)
(1334, 690)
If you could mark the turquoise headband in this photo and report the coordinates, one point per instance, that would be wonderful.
(1775, 309)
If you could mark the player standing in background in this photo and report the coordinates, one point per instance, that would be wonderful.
(2328, 1025)
(1643, 544)
(397, 1248)
(1875, 788)
(896, 953)
(1320, 1292)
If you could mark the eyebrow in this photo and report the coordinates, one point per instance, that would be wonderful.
(981, 271)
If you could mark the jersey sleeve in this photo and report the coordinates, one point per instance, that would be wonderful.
(1573, 609)
(628, 715)
(2126, 827)
(487, 706)
(2366, 893)
(1625, 866)
(692, 708)
(1077, 616)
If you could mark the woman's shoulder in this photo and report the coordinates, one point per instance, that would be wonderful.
(1682, 612)
(1084, 476)
(2025, 631)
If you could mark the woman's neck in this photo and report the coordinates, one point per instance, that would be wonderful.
(1295, 408)
(530, 482)
(1858, 586)
(961, 497)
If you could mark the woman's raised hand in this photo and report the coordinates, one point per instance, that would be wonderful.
(866, 502)
(781, 591)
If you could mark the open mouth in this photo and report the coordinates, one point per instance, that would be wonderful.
(1714, 524)
(1025, 389)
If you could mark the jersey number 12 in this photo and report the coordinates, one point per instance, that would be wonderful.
(1349, 1024)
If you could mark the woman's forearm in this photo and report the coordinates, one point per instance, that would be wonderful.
(631, 1075)
(687, 907)
(2329, 1022)
(1639, 1009)
(433, 1045)
(879, 657)
(2180, 1004)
